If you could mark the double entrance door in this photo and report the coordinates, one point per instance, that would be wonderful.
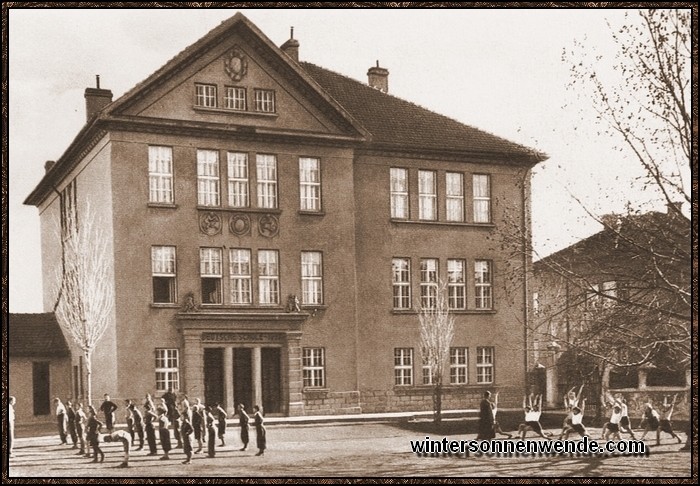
(255, 378)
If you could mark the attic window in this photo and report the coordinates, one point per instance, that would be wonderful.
(265, 100)
(206, 95)
(235, 98)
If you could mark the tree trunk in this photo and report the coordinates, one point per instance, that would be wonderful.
(88, 372)
(604, 387)
(437, 403)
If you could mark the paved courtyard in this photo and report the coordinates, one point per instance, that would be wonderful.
(338, 450)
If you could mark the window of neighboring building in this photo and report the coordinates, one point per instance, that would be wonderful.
(536, 303)
(454, 187)
(484, 365)
(482, 284)
(210, 270)
(238, 180)
(314, 367)
(264, 100)
(456, 284)
(267, 180)
(268, 277)
(160, 174)
(167, 369)
(235, 98)
(428, 283)
(459, 366)
(309, 184)
(401, 278)
(163, 270)
(206, 95)
(399, 193)
(427, 195)
(593, 297)
(240, 273)
(311, 277)
(482, 198)
(208, 177)
(403, 366)
(609, 291)
(69, 210)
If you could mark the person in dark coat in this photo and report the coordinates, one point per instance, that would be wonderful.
(244, 420)
(109, 408)
(260, 432)
(70, 414)
(486, 420)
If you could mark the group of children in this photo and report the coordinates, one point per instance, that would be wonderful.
(189, 422)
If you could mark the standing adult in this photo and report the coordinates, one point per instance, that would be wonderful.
(244, 420)
(486, 420)
(70, 414)
(260, 432)
(109, 409)
(61, 419)
(11, 422)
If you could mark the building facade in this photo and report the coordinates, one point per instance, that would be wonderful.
(274, 227)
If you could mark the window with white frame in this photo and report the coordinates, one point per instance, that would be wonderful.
(311, 277)
(266, 166)
(403, 366)
(163, 270)
(482, 198)
(238, 180)
(399, 193)
(309, 184)
(206, 95)
(454, 193)
(427, 195)
(314, 367)
(167, 369)
(484, 365)
(401, 282)
(459, 366)
(482, 284)
(264, 100)
(428, 283)
(268, 277)
(160, 174)
(208, 177)
(210, 270)
(240, 274)
(456, 284)
(427, 372)
(235, 98)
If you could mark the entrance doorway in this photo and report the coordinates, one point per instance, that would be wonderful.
(41, 388)
(271, 380)
(213, 376)
(243, 377)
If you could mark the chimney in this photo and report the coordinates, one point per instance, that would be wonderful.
(378, 78)
(96, 99)
(291, 47)
(48, 165)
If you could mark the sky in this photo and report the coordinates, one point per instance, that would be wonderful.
(499, 70)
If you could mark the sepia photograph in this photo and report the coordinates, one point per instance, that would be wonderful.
(373, 243)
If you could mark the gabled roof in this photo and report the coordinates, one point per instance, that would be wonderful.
(36, 335)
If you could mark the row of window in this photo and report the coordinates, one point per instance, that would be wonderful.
(428, 196)
(456, 283)
(235, 98)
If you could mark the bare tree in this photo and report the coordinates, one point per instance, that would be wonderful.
(436, 334)
(86, 292)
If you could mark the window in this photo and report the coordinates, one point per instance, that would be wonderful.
(267, 181)
(609, 291)
(401, 277)
(206, 95)
(207, 177)
(164, 276)
(427, 195)
(459, 366)
(536, 303)
(239, 270)
(427, 372)
(484, 365)
(160, 174)
(456, 284)
(314, 367)
(235, 98)
(403, 366)
(69, 210)
(210, 272)
(482, 198)
(167, 370)
(399, 193)
(264, 100)
(238, 180)
(309, 184)
(268, 277)
(482, 282)
(428, 283)
(454, 186)
(592, 297)
(311, 278)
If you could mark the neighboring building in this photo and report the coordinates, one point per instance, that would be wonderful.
(237, 181)
(39, 365)
(614, 310)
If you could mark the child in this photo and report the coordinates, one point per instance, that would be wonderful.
(496, 425)
(532, 417)
(260, 432)
(222, 416)
(124, 438)
(571, 400)
(211, 432)
(665, 422)
(186, 431)
(244, 423)
(94, 427)
(576, 422)
(164, 433)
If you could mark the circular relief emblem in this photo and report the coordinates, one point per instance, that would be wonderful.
(239, 224)
(210, 223)
(236, 64)
(268, 225)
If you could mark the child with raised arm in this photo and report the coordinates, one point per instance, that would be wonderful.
(496, 425)
(576, 421)
(533, 411)
(665, 422)
(571, 400)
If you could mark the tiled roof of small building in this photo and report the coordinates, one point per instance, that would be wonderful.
(36, 335)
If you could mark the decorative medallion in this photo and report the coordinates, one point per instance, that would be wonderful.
(239, 224)
(189, 305)
(236, 64)
(268, 225)
(210, 223)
